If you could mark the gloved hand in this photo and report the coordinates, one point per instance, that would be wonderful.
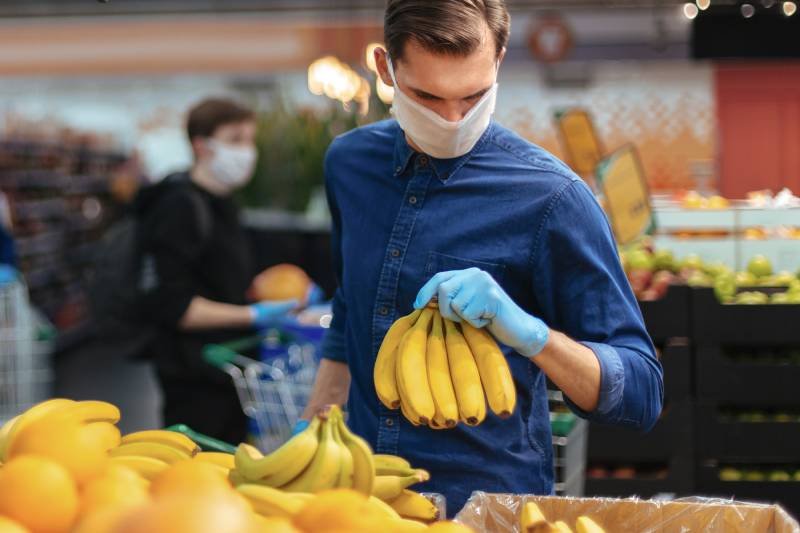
(299, 427)
(315, 295)
(265, 313)
(474, 296)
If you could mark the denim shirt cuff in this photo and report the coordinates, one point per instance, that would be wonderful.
(333, 346)
(612, 381)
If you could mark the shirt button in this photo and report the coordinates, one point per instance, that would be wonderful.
(423, 160)
(412, 200)
(383, 311)
(395, 252)
(389, 422)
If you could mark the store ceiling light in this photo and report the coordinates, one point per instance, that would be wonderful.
(768, 3)
(789, 8)
(690, 10)
(703, 4)
(748, 10)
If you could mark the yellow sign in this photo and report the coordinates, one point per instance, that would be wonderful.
(580, 141)
(626, 195)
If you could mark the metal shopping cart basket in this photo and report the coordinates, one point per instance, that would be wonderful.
(273, 392)
(26, 346)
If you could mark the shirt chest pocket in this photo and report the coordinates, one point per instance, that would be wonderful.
(439, 262)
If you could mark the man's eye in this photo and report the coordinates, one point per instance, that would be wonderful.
(474, 97)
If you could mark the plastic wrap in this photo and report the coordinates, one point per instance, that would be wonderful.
(499, 513)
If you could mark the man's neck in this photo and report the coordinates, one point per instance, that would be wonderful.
(201, 176)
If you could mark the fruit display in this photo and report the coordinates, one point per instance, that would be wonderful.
(532, 520)
(695, 200)
(66, 468)
(281, 282)
(778, 473)
(440, 373)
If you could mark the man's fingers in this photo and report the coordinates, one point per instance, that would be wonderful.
(431, 288)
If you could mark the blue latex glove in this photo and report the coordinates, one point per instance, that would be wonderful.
(474, 296)
(315, 295)
(299, 427)
(266, 313)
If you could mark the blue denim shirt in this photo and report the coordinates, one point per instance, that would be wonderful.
(515, 211)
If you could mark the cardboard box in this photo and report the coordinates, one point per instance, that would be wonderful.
(499, 513)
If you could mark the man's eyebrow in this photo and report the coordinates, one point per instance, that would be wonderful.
(427, 95)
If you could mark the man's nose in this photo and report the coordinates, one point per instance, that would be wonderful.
(452, 111)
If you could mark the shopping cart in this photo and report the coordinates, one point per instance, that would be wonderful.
(274, 391)
(26, 345)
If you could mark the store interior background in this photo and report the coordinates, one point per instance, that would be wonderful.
(118, 77)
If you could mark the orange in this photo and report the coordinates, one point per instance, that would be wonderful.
(281, 282)
(205, 513)
(339, 510)
(9, 526)
(104, 521)
(63, 440)
(189, 477)
(274, 524)
(449, 527)
(113, 490)
(106, 434)
(38, 493)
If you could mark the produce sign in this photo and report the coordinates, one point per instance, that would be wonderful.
(627, 198)
(580, 140)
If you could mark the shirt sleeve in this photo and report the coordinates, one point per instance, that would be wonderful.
(333, 343)
(172, 245)
(582, 291)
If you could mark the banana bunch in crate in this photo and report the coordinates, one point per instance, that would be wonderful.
(438, 372)
(327, 455)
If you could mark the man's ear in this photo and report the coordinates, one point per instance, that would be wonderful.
(200, 148)
(501, 56)
(382, 64)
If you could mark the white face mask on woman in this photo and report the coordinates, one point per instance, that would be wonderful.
(433, 134)
(232, 166)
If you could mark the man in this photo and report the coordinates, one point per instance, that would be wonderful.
(444, 202)
(197, 269)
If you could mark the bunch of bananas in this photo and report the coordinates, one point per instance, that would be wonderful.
(328, 455)
(532, 520)
(439, 373)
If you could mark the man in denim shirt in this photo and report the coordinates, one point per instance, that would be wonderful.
(442, 201)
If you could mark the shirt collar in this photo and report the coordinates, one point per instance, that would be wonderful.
(444, 168)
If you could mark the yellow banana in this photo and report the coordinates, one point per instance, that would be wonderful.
(155, 450)
(466, 378)
(444, 396)
(147, 467)
(412, 525)
(385, 362)
(387, 488)
(414, 505)
(562, 527)
(386, 464)
(268, 501)
(31, 415)
(104, 432)
(323, 472)
(225, 460)
(236, 478)
(285, 463)
(347, 468)
(587, 525)
(94, 411)
(410, 414)
(382, 507)
(532, 520)
(166, 437)
(363, 461)
(411, 372)
(494, 370)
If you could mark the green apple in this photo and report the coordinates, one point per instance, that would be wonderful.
(664, 260)
(794, 287)
(783, 417)
(796, 476)
(779, 298)
(759, 266)
(640, 259)
(717, 269)
(699, 279)
(730, 474)
(725, 287)
(779, 475)
(754, 475)
(745, 279)
(783, 279)
(691, 261)
(751, 298)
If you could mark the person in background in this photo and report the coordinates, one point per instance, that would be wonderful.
(197, 269)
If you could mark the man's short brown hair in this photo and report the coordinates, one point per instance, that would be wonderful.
(454, 27)
(205, 117)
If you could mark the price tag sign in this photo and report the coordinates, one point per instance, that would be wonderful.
(580, 140)
(626, 195)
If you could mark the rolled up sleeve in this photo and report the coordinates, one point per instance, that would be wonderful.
(582, 291)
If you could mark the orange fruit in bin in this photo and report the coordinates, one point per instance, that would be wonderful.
(281, 282)
(39, 494)
(117, 487)
(206, 513)
(190, 477)
(9, 526)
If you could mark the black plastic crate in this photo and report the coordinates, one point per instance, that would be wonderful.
(784, 493)
(671, 436)
(676, 359)
(678, 480)
(724, 436)
(669, 316)
(749, 325)
(725, 377)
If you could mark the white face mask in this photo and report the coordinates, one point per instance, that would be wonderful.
(232, 166)
(433, 134)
